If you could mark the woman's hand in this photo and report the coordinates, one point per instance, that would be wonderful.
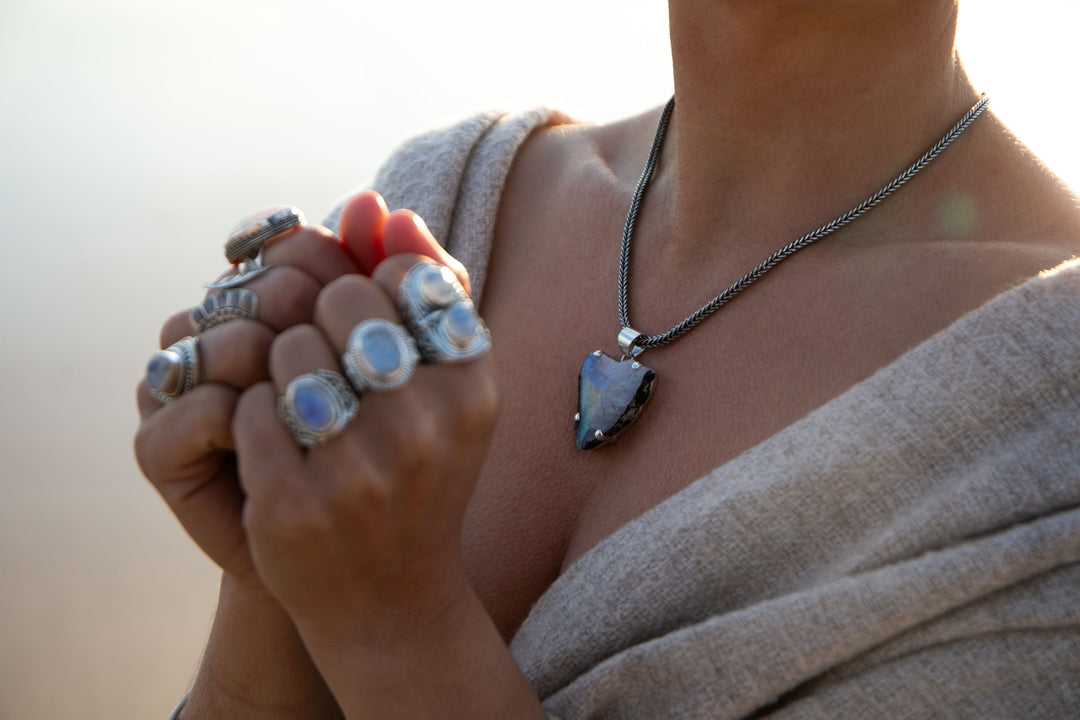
(371, 520)
(184, 447)
(359, 538)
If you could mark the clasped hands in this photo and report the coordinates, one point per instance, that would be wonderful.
(357, 539)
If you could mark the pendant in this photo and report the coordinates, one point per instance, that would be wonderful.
(611, 394)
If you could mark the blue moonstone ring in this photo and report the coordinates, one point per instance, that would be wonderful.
(244, 248)
(173, 371)
(440, 315)
(317, 406)
(379, 355)
(453, 334)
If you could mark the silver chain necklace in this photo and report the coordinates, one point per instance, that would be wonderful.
(612, 393)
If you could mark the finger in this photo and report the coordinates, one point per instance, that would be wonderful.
(302, 350)
(315, 250)
(436, 398)
(285, 296)
(346, 302)
(361, 229)
(174, 436)
(184, 450)
(232, 356)
(267, 456)
(406, 233)
(235, 351)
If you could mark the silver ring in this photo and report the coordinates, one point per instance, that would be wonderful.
(317, 406)
(173, 371)
(426, 288)
(454, 334)
(244, 247)
(221, 307)
(255, 231)
(379, 355)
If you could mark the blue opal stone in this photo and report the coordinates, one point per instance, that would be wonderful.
(461, 323)
(381, 350)
(611, 394)
(161, 366)
(313, 406)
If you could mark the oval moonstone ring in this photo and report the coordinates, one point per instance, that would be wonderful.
(379, 355)
(317, 406)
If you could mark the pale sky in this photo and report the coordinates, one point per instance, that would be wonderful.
(134, 132)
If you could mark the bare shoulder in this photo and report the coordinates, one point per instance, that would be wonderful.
(986, 220)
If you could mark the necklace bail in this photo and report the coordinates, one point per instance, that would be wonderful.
(628, 339)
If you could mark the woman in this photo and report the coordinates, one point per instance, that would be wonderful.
(829, 508)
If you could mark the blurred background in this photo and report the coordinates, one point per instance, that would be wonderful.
(133, 134)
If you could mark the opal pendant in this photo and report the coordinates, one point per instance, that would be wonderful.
(611, 394)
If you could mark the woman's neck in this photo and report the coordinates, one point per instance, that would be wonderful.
(789, 112)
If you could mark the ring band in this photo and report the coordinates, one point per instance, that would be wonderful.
(221, 307)
(317, 406)
(244, 247)
(379, 355)
(173, 371)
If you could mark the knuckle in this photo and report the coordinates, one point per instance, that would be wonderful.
(176, 326)
(144, 450)
(293, 343)
(476, 406)
(345, 291)
(288, 295)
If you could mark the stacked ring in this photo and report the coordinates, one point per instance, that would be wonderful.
(173, 371)
(221, 307)
(379, 355)
(440, 315)
(244, 248)
(317, 406)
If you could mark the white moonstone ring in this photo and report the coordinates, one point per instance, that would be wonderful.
(173, 371)
(317, 406)
(380, 355)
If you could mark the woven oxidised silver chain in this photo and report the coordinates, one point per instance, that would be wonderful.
(641, 342)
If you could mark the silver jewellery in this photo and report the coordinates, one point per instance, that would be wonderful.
(221, 307)
(612, 393)
(173, 371)
(317, 406)
(440, 315)
(244, 248)
(379, 355)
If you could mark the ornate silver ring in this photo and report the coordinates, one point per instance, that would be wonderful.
(244, 248)
(426, 288)
(173, 371)
(221, 307)
(440, 315)
(317, 406)
(379, 355)
(453, 334)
